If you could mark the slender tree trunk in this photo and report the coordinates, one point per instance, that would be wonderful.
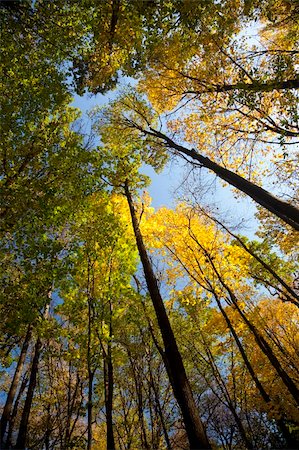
(138, 388)
(266, 266)
(109, 404)
(67, 424)
(255, 86)
(48, 429)
(268, 352)
(152, 384)
(89, 410)
(174, 363)
(230, 403)
(14, 384)
(22, 436)
(288, 213)
(14, 413)
(260, 340)
(109, 382)
(75, 410)
(158, 407)
(262, 343)
(90, 373)
(250, 369)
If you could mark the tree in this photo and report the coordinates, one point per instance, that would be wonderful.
(130, 113)
(117, 168)
(125, 354)
(100, 280)
(173, 361)
(193, 250)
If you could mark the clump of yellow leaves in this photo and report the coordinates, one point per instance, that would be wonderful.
(191, 246)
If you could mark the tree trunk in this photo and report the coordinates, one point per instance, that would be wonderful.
(260, 340)
(48, 429)
(250, 369)
(89, 410)
(90, 373)
(109, 387)
(174, 363)
(288, 213)
(138, 381)
(268, 352)
(22, 436)
(266, 266)
(14, 384)
(14, 413)
(229, 402)
(158, 407)
(254, 86)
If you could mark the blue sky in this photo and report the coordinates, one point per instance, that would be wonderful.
(171, 185)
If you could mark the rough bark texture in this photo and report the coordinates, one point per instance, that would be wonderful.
(174, 364)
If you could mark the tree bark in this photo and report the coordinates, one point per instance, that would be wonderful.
(138, 382)
(174, 363)
(109, 382)
(89, 410)
(90, 369)
(22, 436)
(254, 86)
(285, 211)
(14, 384)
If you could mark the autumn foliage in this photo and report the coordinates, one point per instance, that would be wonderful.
(125, 326)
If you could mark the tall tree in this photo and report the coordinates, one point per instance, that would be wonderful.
(130, 112)
(211, 269)
(173, 360)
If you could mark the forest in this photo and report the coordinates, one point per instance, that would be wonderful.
(126, 326)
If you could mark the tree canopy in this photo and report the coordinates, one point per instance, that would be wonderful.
(129, 327)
